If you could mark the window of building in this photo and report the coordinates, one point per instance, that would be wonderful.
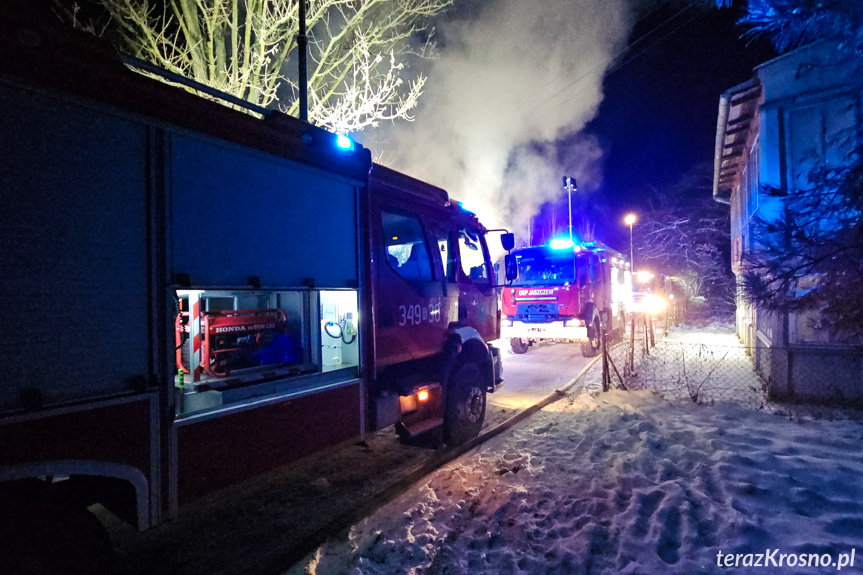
(764, 322)
(752, 170)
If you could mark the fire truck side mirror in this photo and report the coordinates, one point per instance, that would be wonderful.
(507, 240)
(511, 267)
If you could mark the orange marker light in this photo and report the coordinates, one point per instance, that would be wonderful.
(423, 395)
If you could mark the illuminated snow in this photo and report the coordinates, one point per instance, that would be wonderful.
(624, 482)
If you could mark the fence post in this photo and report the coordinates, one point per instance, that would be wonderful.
(632, 346)
(606, 377)
(646, 342)
(652, 337)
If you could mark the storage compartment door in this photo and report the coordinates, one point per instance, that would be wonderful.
(237, 214)
(73, 252)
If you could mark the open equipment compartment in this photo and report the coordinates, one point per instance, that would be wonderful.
(233, 345)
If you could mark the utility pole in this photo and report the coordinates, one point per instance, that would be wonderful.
(629, 220)
(570, 185)
(302, 55)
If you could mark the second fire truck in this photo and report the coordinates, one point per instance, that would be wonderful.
(566, 292)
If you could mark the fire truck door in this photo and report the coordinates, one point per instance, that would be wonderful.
(595, 271)
(444, 239)
(410, 301)
(477, 304)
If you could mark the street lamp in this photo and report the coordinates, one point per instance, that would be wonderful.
(629, 220)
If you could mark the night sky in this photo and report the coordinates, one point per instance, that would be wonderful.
(655, 123)
(658, 118)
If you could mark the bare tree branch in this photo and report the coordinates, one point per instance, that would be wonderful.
(242, 47)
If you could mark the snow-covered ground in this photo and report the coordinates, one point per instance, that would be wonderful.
(532, 376)
(627, 482)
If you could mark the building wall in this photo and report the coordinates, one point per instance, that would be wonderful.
(809, 116)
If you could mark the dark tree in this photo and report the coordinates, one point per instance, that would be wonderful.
(685, 235)
(811, 258)
(793, 23)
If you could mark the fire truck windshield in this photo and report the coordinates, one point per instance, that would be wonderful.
(539, 268)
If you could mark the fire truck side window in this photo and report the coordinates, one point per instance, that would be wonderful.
(581, 265)
(472, 256)
(407, 252)
(441, 236)
(593, 262)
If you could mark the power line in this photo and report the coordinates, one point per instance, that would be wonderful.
(612, 68)
(549, 82)
(624, 51)
(625, 62)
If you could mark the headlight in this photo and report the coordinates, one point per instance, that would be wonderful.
(653, 304)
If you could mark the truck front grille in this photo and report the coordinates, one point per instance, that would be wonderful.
(537, 308)
(537, 312)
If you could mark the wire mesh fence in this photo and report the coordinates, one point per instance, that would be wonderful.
(702, 373)
(709, 372)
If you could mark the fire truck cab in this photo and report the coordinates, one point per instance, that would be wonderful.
(435, 308)
(566, 292)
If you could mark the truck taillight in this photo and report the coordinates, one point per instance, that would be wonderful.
(421, 400)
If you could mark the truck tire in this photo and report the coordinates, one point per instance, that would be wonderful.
(519, 345)
(52, 539)
(590, 348)
(465, 403)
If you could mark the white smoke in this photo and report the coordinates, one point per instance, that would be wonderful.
(508, 85)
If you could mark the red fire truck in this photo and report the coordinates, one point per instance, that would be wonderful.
(195, 294)
(566, 292)
(650, 292)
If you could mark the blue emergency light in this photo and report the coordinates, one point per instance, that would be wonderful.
(465, 208)
(561, 244)
(344, 142)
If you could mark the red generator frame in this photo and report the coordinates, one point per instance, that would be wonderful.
(231, 339)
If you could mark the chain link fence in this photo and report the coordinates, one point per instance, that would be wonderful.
(706, 372)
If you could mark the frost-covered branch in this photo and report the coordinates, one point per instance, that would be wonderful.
(357, 50)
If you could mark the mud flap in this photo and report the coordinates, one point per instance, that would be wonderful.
(497, 365)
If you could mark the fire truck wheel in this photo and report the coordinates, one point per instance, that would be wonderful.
(519, 345)
(465, 404)
(51, 539)
(590, 347)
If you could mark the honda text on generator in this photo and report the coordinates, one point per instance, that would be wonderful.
(202, 293)
(566, 292)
